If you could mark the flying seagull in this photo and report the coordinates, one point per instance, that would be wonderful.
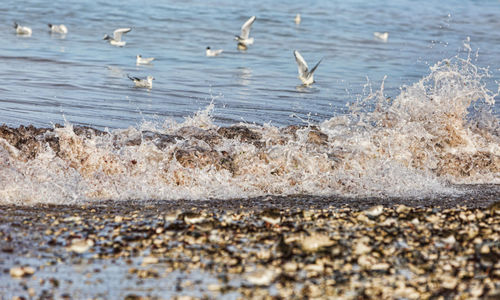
(143, 60)
(243, 40)
(22, 30)
(62, 29)
(116, 40)
(305, 75)
(210, 52)
(142, 83)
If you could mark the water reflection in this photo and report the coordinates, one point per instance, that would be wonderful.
(244, 76)
(116, 72)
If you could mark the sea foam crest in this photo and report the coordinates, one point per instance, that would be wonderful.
(416, 145)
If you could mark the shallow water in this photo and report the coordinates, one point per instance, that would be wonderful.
(82, 78)
(411, 117)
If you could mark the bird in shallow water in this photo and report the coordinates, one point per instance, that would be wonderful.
(62, 29)
(210, 52)
(22, 30)
(243, 39)
(142, 83)
(143, 60)
(306, 76)
(383, 36)
(297, 19)
(116, 40)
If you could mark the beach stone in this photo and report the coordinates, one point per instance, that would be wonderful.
(214, 287)
(315, 242)
(148, 260)
(18, 272)
(261, 276)
(318, 268)
(449, 282)
(242, 133)
(361, 246)
(374, 211)
(366, 261)
(317, 137)
(311, 291)
(450, 240)
(290, 267)
(80, 245)
(380, 267)
(271, 216)
(403, 209)
(193, 217)
(476, 290)
(485, 249)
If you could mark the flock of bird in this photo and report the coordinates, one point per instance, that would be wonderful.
(244, 40)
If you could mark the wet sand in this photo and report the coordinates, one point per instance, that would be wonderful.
(279, 247)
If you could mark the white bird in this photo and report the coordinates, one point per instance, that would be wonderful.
(383, 36)
(23, 30)
(297, 19)
(143, 60)
(243, 40)
(305, 75)
(143, 83)
(62, 29)
(210, 52)
(116, 40)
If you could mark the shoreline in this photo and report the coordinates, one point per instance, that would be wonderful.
(278, 247)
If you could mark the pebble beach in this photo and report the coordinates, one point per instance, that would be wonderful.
(263, 248)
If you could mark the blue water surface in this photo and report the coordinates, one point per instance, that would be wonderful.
(80, 77)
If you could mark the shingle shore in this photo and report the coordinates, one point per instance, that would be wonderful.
(251, 249)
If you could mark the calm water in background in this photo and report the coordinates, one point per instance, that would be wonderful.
(46, 78)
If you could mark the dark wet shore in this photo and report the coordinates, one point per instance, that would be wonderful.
(279, 247)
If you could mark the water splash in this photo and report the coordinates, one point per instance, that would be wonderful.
(437, 132)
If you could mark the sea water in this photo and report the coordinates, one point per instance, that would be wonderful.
(412, 116)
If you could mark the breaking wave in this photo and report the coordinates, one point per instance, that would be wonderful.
(436, 134)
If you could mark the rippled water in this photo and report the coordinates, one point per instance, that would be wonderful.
(82, 78)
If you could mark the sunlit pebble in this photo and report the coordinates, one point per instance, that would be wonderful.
(374, 211)
(361, 246)
(389, 222)
(80, 245)
(31, 292)
(18, 272)
(315, 242)
(118, 219)
(271, 216)
(261, 276)
(74, 219)
(316, 268)
(485, 249)
(403, 209)
(148, 260)
(172, 216)
(449, 282)
(380, 267)
(450, 240)
(214, 287)
(290, 267)
(193, 217)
